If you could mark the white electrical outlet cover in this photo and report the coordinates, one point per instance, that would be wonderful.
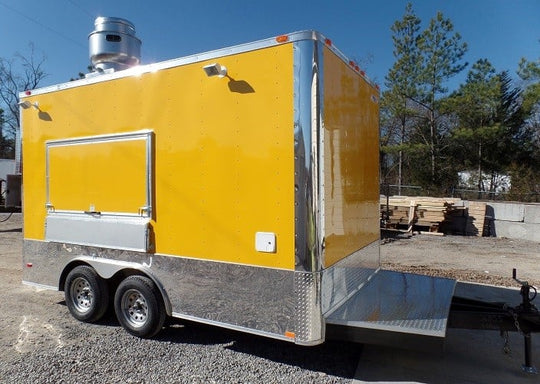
(265, 242)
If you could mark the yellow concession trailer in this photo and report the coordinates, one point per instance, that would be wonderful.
(237, 187)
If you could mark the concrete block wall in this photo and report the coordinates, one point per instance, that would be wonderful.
(514, 220)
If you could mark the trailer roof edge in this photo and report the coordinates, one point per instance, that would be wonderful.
(199, 57)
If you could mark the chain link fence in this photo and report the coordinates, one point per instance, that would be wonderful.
(464, 194)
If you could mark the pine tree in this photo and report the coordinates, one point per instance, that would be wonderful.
(401, 82)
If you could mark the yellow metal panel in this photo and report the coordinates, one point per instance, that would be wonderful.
(105, 176)
(224, 151)
(351, 160)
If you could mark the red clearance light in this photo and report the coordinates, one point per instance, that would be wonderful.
(29, 265)
(328, 42)
(363, 73)
(282, 39)
(377, 87)
(351, 63)
(28, 93)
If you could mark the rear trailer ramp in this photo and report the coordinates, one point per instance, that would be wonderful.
(395, 309)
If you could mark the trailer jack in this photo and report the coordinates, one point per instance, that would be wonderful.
(526, 307)
(472, 313)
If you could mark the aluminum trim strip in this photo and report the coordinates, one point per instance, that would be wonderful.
(317, 127)
(101, 213)
(130, 234)
(154, 67)
(232, 327)
(209, 55)
(432, 327)
(144, 134)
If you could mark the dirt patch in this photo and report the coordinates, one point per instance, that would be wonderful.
(477, 259)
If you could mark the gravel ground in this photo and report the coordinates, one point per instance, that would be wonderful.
(40, 342)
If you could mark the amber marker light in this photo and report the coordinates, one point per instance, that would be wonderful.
(290, 335)
(282, 39)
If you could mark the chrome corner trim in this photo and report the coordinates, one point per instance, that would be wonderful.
(317, 125)
(309, 328)
(307, 120)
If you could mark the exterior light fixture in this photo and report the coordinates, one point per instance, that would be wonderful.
(26, 104)
(215, 69)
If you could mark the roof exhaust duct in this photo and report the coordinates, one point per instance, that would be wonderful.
(113, 45)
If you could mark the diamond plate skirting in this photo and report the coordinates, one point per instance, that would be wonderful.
(309, 324)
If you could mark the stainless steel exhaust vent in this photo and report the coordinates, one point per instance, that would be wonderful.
(113, 44)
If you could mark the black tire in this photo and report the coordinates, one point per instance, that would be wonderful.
(86, 294)
(139, 306)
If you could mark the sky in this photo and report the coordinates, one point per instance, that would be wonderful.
(503, 31)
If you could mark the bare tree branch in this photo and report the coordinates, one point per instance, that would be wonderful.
(17, 74)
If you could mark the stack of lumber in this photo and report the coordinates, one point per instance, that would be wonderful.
(431, 212)
(476, 219)
(400, 210)
(428, 214)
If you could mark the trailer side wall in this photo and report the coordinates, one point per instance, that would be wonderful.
(223, 157)
(350, 162)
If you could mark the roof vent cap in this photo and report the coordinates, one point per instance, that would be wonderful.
(113, 45)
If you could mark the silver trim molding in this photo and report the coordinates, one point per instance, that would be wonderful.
(308, 236)
(127, 233)
(210, 55)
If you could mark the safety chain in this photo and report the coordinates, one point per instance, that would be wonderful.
(506, 346)
(516, 323)
(504, 334)
(515, 317)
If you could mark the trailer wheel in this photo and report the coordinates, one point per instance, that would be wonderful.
(86, 294)
(139, 306)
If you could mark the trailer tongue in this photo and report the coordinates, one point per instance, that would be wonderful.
(496, 308)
